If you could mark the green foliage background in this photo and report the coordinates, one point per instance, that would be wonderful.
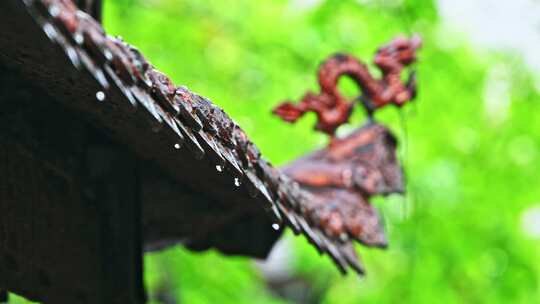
(456, 237)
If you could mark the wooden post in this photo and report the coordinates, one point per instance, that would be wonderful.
(113, 185)
(69, 205)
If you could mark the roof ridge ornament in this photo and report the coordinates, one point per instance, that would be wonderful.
(333, 109)
(342, 177)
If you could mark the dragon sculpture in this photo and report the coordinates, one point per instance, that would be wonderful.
(333, 109)
(343, 176)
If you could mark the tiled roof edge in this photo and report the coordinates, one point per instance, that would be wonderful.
(192, 121)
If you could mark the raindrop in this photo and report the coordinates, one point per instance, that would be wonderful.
(219, 168)
(177, 146)
(100, 96)
(72, 54)
(275, 226)
(236, 182)
(79, 38)
(108, 55)
(54, 11)
(49, 31)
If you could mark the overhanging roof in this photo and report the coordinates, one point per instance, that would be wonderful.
(189, 138)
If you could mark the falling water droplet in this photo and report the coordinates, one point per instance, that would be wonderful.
(275, 226)
(100, 96)
(236, 182)
(54, 11)
(177, 146)
(49, 31)
(219, 168)
(108, 55)
(78, 38)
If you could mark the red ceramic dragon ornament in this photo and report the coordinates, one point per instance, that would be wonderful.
(343, 176)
